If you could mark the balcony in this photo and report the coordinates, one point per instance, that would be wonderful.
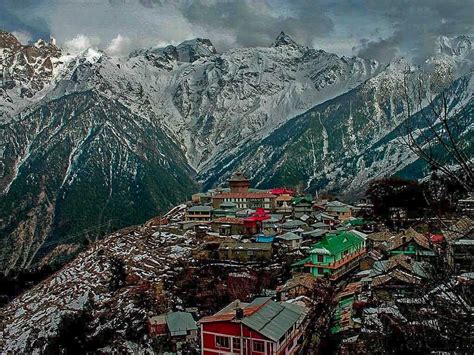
(341, 266)
(340, 262)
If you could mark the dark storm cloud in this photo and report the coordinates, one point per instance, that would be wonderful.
(19, 16)
(416, 27)
(383, 50)
(379, 29)
(256, 23)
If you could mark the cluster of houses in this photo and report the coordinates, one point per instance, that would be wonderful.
(254, 219)
(369, 269)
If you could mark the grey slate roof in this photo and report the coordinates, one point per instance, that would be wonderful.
(245, 246)
(319, 225)
(381, 267)
(200, 209)
(293, 224)
(273, 319)
(180, 322)
(316, 233)
(289, 236)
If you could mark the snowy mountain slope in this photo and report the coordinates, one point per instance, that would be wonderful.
(344, 143)
(109, 281)
(80, 165)
(454, 55)
(211, 102)
(459, 48)
(244, 94)
(24, 72)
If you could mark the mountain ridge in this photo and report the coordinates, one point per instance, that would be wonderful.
(178, 113)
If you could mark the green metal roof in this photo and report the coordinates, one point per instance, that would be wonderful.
(306, 199)
(225, 211)
(335, 243)
(180, 322)
(355, 222)
(227, 204)
(273, 319)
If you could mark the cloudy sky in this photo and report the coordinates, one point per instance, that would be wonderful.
(379, 29)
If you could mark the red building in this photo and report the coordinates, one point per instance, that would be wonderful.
(260, 327)
(253, 223)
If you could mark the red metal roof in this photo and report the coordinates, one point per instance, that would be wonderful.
(259, 215)
(436, 238)
(282, 191)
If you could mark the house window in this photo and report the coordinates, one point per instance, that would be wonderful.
(320, 271)
(236, 343)
(258, 346)
(320, 258)
(222, 342)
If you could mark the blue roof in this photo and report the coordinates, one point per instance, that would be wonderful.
(264, 239)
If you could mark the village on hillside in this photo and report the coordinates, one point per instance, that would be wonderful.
(238, 270)
(302, 272)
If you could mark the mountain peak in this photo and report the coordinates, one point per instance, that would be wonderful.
(284, 40)
(455, 46)
(9, 41)
(191, 50)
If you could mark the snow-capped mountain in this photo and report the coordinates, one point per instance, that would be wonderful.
(457, 47)
(454, 56)
(24, 72)
(344, 143)
(125, 137)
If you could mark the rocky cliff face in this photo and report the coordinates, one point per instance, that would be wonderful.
(24, 72)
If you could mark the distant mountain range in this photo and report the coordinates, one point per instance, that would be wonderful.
(90, 142)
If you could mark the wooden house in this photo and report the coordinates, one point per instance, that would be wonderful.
(227, 226)
(298, 285)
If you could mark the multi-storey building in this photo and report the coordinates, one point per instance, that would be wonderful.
(242, 196)
(337, 254)
(199, 214)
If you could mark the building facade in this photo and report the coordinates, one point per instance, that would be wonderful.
(245, 252)
(260, 327)
(199, 214)
(241, 195)
(336, 254)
